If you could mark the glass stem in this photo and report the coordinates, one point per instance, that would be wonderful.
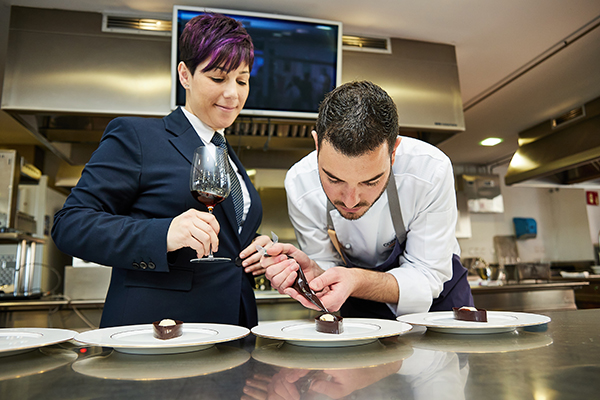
(210, 254)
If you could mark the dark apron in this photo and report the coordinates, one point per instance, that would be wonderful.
(456, 292)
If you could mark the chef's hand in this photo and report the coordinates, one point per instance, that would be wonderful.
(256, 387)
(281, 270)
(195, 229)
(341, 383)
(334, 286)
(251, 257)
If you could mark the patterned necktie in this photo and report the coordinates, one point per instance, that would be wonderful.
(236, 189)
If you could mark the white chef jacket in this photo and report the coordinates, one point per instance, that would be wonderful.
(425, 183)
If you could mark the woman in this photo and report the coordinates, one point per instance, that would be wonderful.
(132, 209)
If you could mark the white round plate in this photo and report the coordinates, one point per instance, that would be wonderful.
(139, 339)
(120, 366)
(287, 355)
(357, 331)
(498, 322)
(18, 340)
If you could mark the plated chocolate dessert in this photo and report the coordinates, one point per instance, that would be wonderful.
(470, 314)
(329, 323)
(167, 329)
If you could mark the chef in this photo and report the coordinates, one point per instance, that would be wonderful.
(374, 215)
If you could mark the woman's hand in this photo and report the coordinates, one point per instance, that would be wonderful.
(251, 257)
(195, 229)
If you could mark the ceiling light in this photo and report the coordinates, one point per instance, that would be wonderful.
(491, 141)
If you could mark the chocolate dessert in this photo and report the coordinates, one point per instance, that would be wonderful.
(167, 329)
(470, 314)
(329, 323)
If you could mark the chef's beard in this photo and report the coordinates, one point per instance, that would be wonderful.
(355, 216)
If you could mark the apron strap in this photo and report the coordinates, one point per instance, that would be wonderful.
(395, 211)
(394, 205)
(336, 244)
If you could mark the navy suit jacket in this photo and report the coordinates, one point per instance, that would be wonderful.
(118, 215)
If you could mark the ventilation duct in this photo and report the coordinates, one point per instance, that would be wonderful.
(562, 151)
(368, 44)
(136, 25)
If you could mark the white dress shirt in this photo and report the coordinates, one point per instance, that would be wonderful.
(206, 133)
(425, 183)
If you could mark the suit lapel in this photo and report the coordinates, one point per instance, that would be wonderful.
(185, 138)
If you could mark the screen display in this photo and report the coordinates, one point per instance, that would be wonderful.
(296, 61)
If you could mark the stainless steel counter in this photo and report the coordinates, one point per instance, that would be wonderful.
(559, 361)
(528, 297)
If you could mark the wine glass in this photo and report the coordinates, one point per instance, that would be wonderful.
(209, 183)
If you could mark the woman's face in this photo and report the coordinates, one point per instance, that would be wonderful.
(215, 97)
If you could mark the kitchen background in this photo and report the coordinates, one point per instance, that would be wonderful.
(64, 78)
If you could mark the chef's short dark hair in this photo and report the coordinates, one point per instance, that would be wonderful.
(356, 118)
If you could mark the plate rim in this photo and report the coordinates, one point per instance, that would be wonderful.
(109, 331)
(465, 325)
(49, 337)
(334, 338)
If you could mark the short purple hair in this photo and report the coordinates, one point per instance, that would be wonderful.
(217, 38)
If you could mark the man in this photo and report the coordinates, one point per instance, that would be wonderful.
(374, 215)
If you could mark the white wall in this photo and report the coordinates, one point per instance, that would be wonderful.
(563, 227)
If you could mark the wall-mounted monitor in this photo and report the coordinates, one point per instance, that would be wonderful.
(296, 61)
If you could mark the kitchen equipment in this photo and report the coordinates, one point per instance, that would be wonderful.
(506, 250)
(478, 266)
(87, 283)
(537, 271)
(488, 272)
(9, 184)
(482, 193)
(25, 264)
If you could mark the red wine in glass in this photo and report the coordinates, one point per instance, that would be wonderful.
(209, 183)
(210, 200)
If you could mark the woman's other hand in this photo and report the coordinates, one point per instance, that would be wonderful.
(251, 257)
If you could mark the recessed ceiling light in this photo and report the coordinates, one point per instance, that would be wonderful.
(491, 141)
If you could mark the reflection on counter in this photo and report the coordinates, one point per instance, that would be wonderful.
(112, 364)
(365, 372)
(36, 361)
(517, 340)
(560, 362)
(286, 355)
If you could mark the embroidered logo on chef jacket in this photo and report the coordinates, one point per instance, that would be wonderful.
(390, 243)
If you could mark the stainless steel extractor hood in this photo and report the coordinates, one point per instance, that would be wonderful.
(65, 79)
(562, 151)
